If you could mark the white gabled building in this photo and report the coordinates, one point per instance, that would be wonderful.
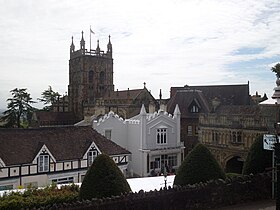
(153, 139)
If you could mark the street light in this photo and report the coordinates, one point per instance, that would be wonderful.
(165, 177)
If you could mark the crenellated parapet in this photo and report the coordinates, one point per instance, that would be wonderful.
(91, 52)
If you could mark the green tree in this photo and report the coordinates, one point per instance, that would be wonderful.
(19, 109)
(103, 179)
(199, 166)
(257, 159)
(276, 69)
(49, 97)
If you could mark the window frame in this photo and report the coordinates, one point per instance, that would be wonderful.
(92, 154)
(43, 163)
(161, 136)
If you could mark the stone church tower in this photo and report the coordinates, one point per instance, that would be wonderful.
(90, 76)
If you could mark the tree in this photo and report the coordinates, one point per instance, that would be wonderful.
(18, 109)
(276, 70)
(103, 179)
(257, 159)
(49, 97)
(199, 166)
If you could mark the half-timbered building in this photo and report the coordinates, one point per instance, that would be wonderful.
(38, 157)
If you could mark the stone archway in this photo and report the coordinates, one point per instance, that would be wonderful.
(234, 165)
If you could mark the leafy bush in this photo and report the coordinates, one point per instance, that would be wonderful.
(257, 159)
(103, 179)
(35, 198)
(199, 166)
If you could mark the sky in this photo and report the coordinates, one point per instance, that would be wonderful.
(164, 43)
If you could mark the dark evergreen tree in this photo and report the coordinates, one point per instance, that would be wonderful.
(276, 69)
(257, 159)
(103, 179)
(49, 97)
(19, 109)
(199, 166)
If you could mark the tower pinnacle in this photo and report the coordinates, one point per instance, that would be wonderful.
(72, 47)
(109, 47)
(82, 43)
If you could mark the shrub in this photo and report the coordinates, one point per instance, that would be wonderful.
(103, 179)
(35, 198)
(199, 166)
(257, 159)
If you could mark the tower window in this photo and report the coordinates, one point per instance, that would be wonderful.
(90, 76)
(102, 77)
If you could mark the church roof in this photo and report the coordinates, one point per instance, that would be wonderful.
(124, 94)
(20, 146)
(184, 99)
(45, 118)
(227, 94)
(244, 110)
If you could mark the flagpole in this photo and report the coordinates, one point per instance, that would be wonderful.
(90, 39)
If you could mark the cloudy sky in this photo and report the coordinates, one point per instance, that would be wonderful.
(163, 43)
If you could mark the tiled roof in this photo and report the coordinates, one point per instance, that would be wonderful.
(227, 94)
(55, 118)
(239, 110)
(20, 146)
(123, 94)
(184, 98)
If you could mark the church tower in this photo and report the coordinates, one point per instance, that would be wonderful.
(90, 76)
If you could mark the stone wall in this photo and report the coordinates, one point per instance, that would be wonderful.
(210, 195)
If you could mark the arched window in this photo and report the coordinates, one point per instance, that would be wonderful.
(90, 76)
(102, 77)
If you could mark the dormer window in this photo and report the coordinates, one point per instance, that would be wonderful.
(92, 154)
(43, 163)
(194, 109)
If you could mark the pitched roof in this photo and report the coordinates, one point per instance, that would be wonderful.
(45, 118)
(227, 94)
(184, 98)
(20, 146)
(124, 94)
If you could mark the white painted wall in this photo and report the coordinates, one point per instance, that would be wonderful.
(138, 135)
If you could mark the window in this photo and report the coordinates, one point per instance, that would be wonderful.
(91, 156)
(194, 109)
(190, 130)
(196, 130)
(108, 134)
(155, 164)
(236, 137)
(6, 187)
(161, 136)
(44, 163)
(90, 76)
(172, 160)
(65, 180)
(102, 77)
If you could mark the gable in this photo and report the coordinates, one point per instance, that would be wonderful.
(90, 148)
(2, 164)
(21, 146)
(163, 120)
(44, 150)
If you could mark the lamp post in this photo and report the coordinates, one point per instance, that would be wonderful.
(276, 96)
(165, 177)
